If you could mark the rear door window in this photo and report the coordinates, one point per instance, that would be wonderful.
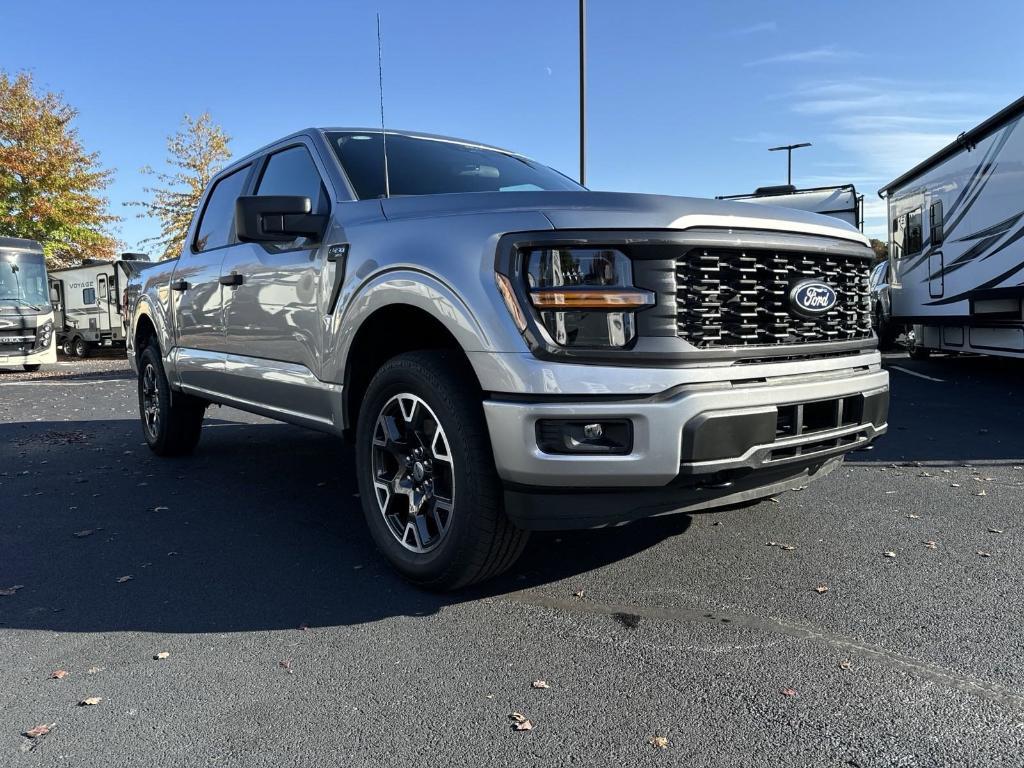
(217, 224)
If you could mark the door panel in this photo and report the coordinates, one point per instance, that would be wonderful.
(198, 309)
(274, 313)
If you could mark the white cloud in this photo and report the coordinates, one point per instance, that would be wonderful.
(882, 127)
(754, 29)
(824, 53)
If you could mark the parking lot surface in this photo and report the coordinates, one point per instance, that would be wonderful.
(871, 619)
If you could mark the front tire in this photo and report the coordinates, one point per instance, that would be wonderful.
(31, 367)
(430, 492)
(171, 424)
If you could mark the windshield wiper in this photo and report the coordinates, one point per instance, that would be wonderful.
(22, 301)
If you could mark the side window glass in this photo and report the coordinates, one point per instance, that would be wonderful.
(88, 295)
(103, 288)
(217, 225)
(914, 234)
(293, 172)
(935, 222)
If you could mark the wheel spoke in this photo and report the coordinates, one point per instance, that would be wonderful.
(412, 473)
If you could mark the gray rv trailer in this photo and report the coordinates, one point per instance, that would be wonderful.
(841, 202)
(956, 250)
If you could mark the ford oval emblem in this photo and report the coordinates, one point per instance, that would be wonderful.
(812, 298)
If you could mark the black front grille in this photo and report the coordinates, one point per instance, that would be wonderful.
(17, 342)
(732, 297)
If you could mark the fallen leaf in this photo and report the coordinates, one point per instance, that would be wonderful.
(889, 554)
(520, 723)
(773, 500)
(10, 591)
(821, 589)
(160, 509)
(981, 493)
(60, 674)
(789, 692)
(92, 701)
(954, 485)
(541, 684)
(846, 664)
(578, 594)
(303, 628)
(996, 530)
(983, 553)
(162, 655)
(914, 517)
(83, 533)
(658, 741)
(39, 730)
(931, 545)
(123, 579)
(93, 670)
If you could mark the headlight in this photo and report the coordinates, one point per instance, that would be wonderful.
(585, 297)
(43, 335)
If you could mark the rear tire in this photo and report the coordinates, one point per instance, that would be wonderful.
(422, 444)
(919, 353)
(171, 422)
(80, 347)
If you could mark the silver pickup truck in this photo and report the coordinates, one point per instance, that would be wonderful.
(507, 350)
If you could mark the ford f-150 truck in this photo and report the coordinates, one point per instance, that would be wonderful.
(508, 350)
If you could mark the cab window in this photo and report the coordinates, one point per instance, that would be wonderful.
(217, 223)
(292, 172)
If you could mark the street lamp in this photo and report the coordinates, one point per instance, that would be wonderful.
(789, 158)
(583, 93)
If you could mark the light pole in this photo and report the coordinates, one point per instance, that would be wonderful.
(583, 93)
(789, 156)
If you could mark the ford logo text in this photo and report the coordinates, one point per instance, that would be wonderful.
(811, 298)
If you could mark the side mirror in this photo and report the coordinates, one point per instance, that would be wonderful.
(276, 219)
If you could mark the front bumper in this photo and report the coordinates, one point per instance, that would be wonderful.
(699, 430)
(43, 357)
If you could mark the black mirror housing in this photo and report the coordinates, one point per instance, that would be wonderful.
(276, 219)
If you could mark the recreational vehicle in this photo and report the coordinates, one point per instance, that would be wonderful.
(842, 202)
(956, 250)
(26, 319)
(88, 302)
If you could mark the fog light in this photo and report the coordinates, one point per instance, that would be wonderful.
(576, 436)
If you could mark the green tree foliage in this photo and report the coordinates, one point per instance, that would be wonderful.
(881, 249)
(195, 152)
(51, 189)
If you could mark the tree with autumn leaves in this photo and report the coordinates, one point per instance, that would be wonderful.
(51, 188)
(196, 151)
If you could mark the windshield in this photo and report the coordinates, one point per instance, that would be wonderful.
(421, 166)
(23, 281)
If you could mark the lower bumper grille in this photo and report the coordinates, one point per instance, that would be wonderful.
(737, 297)
(21, 342)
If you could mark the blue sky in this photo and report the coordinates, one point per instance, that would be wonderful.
(684, 97)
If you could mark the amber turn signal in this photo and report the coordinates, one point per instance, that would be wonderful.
(565, 299)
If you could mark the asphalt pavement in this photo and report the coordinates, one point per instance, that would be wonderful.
(871, 619)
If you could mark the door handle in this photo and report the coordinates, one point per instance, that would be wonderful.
(179, 286)
(234, 279)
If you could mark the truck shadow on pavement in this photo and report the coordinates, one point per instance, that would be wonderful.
(259, 530)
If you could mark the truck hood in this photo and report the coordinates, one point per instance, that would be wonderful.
(622, 210)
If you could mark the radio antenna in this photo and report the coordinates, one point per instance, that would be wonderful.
(380, 90)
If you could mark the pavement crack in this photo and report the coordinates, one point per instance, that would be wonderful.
(980, 688)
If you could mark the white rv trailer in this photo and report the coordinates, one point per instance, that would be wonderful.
(956, 250)
(842, 202)
(88, 303)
